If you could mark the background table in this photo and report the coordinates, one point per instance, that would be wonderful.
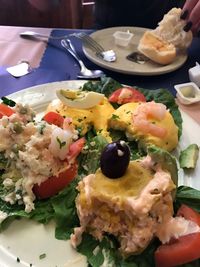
(54, 63)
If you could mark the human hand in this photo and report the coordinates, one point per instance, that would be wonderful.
(191, 13)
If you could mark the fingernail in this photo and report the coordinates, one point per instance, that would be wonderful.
(184, 14)
(188, 26)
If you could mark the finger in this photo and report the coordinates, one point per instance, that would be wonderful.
(194, 15)
(196, 28)
(189, 5)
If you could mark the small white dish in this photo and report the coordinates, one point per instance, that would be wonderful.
(123, 38)
(194, 74)
(188, 93)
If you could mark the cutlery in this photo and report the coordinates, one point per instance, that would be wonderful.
(85, 73)
(109, 55)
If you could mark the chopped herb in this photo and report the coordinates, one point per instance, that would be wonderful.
(8, 102)
(31, 264)
(41, 129)
(42, 256)
(128, 112)
(115, 117)
(80, 120)
(60, 142)
(18, 259)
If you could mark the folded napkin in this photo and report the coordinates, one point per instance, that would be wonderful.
(9, 84)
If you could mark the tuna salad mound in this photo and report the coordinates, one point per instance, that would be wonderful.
(32, 152)
(132, 207)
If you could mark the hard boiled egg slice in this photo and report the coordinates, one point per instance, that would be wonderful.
(79, 99)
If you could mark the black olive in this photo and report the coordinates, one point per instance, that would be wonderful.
(115, 159)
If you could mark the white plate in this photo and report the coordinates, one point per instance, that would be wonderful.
(122, 64)
(27, 240)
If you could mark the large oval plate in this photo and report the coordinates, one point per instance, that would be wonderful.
(27, 240)
(122, 64)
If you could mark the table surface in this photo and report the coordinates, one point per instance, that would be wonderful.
(52, 59)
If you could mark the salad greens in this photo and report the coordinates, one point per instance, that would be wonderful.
(61, 208)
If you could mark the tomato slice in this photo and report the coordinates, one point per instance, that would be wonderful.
(54, 184)
(184, 249)
(54, 118)
(126, 95)
(189, 214)
(5, 110)
(75, 148)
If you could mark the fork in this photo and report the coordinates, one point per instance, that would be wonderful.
(108, 56)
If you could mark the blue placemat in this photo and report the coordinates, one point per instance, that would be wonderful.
(58, 58)
(9, 84)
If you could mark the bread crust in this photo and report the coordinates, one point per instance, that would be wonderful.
(157, 49)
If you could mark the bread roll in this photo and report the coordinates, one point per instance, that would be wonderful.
(157, 49)
(170, 29)
(162, 44)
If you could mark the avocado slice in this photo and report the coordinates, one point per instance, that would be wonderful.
(166, 160)
(189, 156)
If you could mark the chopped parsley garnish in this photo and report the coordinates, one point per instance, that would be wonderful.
(80, 120)
(18, 259)
(41, 129)
(115, 117)
(61, 144)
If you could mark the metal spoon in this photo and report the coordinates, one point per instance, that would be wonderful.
(108, 55)
(85, 73)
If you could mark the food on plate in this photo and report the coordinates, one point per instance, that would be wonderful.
(79, 98)
(115, 154)
(170, 29)
(184, 248)
(85, 119)
(162, 44)
(157, 49)
(135, 207)
(56, 201)
(189, 156)
(38, 159)
(125, 95)
(146, 122)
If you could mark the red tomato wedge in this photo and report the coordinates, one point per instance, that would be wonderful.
(126, 95)
(184, 249)
(54, 118)
(75, 148)
(189, 214)
(5, 110)
(54, 184)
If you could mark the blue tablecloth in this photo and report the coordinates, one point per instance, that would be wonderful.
(56, 57)
(9, 84)
(57, 64)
